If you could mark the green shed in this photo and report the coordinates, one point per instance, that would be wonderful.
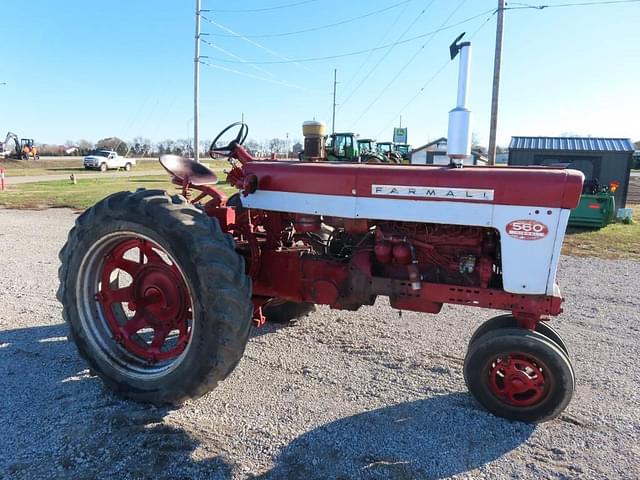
(602, 160)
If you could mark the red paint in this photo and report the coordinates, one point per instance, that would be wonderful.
(383, 252)
(594, 206)
(157, 294)
(402, 254)
(543, 187)
(527, 229)
(518, 380)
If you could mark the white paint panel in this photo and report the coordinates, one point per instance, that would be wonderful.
(526, 264)
(563, 220)
(461, 213)
(331, 205)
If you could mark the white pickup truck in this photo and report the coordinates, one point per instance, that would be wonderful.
(104, 160)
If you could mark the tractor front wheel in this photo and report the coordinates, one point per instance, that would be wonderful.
(509, 321)
(155, 296)
(519, 374)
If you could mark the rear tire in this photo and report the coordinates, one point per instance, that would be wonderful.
(127, 167)
(285, 312)
(519, 374)
(186, 248)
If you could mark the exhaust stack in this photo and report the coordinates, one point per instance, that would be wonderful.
(459, 134)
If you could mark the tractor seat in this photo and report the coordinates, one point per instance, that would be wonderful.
(181, 168)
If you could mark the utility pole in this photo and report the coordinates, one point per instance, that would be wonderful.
(196, 86)
(496, 84)
(335, 82)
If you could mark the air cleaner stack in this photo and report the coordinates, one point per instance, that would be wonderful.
(459, 135)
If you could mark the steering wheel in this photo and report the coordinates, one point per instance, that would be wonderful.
(243, 131)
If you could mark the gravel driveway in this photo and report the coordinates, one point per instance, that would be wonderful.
(367, 394)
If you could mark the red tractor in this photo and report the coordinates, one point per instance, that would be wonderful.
(160, 290)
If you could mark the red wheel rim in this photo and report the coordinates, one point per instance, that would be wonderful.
(518, 380)
(150, 317)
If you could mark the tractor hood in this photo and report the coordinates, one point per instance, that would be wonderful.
(523, 186)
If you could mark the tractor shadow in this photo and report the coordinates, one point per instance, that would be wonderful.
(432, 438)
(60, 422)
(270, 328)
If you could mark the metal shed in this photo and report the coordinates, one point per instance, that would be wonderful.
(602, 160)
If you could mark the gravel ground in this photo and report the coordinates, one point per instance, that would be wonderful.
(367, 394)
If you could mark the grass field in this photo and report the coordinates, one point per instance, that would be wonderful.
(74, 165)
(86, 192)
(54, 167)
(613, 241)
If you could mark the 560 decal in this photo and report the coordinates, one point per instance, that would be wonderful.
(527, 229)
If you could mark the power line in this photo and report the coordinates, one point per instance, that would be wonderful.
(255, 44)
(381, 59)
(433, 77)
(255, 67)
(233, 55)
(265, 9)
(320, 27)
(380, 40)
(441, 69)
(256, 77)
(406, 65)
(521, 6)
(357, 52)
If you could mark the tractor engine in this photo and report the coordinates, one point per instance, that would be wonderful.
(449, 254)
(346, 263)
(436, 253)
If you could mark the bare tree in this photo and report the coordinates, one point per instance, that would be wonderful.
(277, 145)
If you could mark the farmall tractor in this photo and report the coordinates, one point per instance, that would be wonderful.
(160, 291)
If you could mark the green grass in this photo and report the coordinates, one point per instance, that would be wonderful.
(54, 167)
(74, 165)
(613, 241)
(86, 192)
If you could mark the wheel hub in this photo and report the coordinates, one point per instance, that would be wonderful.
(156, 297)
(517, 380)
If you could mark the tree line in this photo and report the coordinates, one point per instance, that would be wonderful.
(144, 147)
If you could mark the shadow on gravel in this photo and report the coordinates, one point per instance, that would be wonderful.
(432, 438)
(59, 422)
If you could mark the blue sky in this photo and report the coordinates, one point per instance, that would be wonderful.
(91, 69)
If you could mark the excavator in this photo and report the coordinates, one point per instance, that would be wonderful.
(24, 148)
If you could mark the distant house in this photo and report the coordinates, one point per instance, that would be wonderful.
(435, 153)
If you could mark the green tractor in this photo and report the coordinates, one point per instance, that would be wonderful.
(368, 151)
(345, 147)
(404, 150)
(388, 150)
